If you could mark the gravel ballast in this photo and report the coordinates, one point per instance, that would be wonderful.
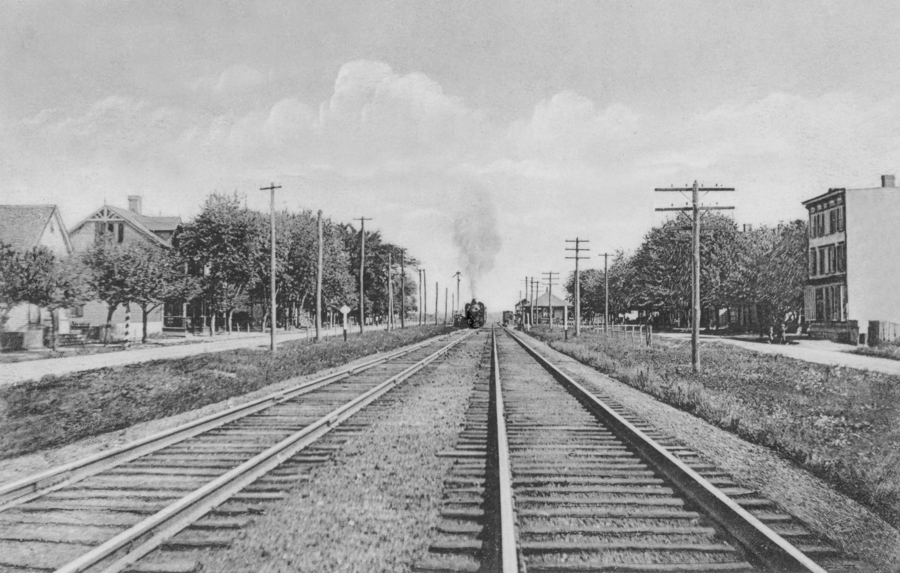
(373, 506)
(850, 526)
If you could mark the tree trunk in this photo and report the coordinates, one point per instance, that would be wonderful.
(212, 323)
(111, 309)
(144, 313)
(228, 319)
(54, 323)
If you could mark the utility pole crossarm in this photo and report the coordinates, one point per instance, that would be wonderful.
(691, 189)
(689, 208)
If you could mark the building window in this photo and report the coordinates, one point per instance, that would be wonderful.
(841, 257)
(840, 218)
(832, 259)
(116, 230)
(820, 305)
(822, 267)
(812, 263)
(77, 311)
(832, 221)
(812, 225)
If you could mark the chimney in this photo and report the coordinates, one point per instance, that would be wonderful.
(134, 204)
(887, 181)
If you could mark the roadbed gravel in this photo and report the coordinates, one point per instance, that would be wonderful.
(850, 526)
(374, 505)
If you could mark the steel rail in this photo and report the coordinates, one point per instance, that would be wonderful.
(142, 538)
(53, 479)
(508, 553)
(765, 545)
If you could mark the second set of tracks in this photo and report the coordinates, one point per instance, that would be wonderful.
(192, 486)
(552, 477)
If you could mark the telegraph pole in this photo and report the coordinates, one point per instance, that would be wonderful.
(271, 189)
(605, 294)
(446, 293)
(528, 298)
(402, 288)
(319, 279)
(697, 213)
(458, 302)
(550, 278)
(362, 269)
(436, 295)
(424, 298)
(578, 248)
(390, 306)
(419, 298)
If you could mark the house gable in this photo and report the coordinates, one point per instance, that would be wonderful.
(125, 226)
(25, 227)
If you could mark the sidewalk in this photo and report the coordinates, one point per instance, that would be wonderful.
(35, 369)
(817, 351)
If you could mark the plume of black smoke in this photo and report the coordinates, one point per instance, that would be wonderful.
(475, 236)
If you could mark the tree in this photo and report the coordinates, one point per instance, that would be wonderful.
(157, 276)
(662, 265)
(593, 287)
(222, 246)
(109, 264)
(52, 284)
(10, 286)
(771, 273)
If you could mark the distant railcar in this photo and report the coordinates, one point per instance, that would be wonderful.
(508, 317)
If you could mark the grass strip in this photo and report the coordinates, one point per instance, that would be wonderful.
(841, 424)
(56, 411)
(890, 350)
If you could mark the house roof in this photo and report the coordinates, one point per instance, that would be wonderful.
(158, 223)
(22, 226)
(555, 301)
(144, 224)
(833, 192)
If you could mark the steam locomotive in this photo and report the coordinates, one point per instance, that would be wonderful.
(473, 317)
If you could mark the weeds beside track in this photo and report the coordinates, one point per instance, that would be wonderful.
(838, 423)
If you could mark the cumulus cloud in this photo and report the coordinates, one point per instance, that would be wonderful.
(569, 127)
(441, 176)
(402, 135)
(376, 113)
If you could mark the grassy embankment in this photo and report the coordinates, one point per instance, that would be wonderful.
(889, 350)
(839, 423)
(60, 410)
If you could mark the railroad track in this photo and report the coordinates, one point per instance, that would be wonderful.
(571, 482)
(191, 486)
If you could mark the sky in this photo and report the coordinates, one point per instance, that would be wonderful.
(480, 135)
